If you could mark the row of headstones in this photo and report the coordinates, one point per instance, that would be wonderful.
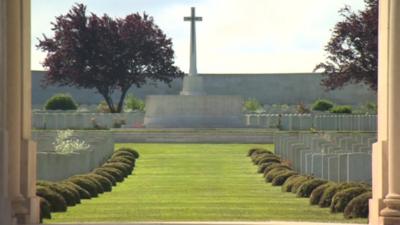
(86, 120)
(340, 157)
(308, 121)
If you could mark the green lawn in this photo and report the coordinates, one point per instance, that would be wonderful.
(195, 182)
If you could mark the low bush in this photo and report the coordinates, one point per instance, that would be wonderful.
(106, 184)
(267, 159)
(341, 109)
(122, 159)
(57, 202)
(117, 174)
(307, 187)
(258, 151)
(86, 184)
(358, 207)
(281, 178)
(274, 173)
(126, 169)
(96, 182)
(317, 193)
(107, 175)
(60, 102)
(329, 192)
(263, 166)
(133, 103)
(261, 156)
(287, 185)
(298, 182)
(322, 105)
(252, 105)
(266, 170)
(45, 209)
(342, 198)
(71, 197)
(133, 152)
(83, 193)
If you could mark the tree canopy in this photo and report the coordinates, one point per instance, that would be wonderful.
(107, 54)
(353, 49)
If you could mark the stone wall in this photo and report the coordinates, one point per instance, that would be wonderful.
(267, 88)
(54, 166)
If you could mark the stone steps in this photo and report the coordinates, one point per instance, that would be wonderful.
(184, 135)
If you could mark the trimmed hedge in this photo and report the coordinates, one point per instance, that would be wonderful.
(342, 198)
(281, 178)
(298, 182)
(86, 184)
(130, 151)
(287, 186)
(45, 210)
(57, 202)
(117, 174)
(106, 184)
(267, 159)
(317, 193)
(262, 167)
(83, 193)
(307, 187)
(258, 151)
(275, 172)
(123, 159)
(326, 198)
(123, 167)
(266, 170)
(358, 206)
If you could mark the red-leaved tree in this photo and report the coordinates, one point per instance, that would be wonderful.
(106, 54)
(353, 49)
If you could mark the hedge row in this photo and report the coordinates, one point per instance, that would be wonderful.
(57, 196)
(349, 198)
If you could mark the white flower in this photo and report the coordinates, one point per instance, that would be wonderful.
(65, 143)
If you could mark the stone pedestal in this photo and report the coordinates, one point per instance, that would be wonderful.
(179, 111)
(193, 85)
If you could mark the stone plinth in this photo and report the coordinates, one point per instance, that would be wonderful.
(180, 111)
(193, 85)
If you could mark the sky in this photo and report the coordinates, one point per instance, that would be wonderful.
(235, 36)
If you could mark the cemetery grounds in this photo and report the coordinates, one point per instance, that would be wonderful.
(196, 182)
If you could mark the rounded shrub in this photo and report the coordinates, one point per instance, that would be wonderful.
(341, 109)
(322, 105)
(259, 157)
(287, 185)
(45, 209)
(83, 193)
(342, 198)
(263, 166)
(266, 170)
(307, 187)
(123, 167)
(117, 174)
(129, 150)
(86, 184)
(326, 198)
(122, 159)
(98, 185)
(281, 178)
(71, 197)
(107, 175)
(258, 151)
(103, 180)
(298, 182)
(317, 193)
(274, 173)
(57, 202)
(358, 207)
(266, 159)
(60, 102)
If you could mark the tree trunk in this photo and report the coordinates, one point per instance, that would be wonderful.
(121, 99)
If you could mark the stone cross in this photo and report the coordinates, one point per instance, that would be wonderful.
(193, 19)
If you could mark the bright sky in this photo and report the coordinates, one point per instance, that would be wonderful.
(235, 36)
